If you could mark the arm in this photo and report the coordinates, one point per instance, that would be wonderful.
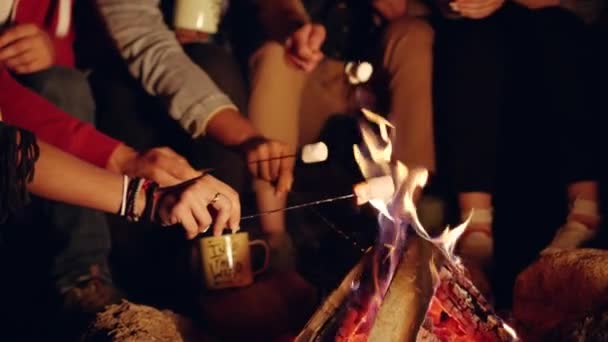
(279, 18)
(23, 108)
(61, 177)
(157, 60)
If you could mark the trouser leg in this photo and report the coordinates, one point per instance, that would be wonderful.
(408, 61)
(80, 236)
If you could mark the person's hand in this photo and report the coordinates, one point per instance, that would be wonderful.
(26, 49)
(390, 9)
(476, 9)
(187, 36)
(264, 158)
(189, 204)
(304, 46)
(536, 4)
(161, 165)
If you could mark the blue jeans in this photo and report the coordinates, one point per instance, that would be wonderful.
(77, 237)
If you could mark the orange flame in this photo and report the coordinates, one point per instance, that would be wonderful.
(377, 161)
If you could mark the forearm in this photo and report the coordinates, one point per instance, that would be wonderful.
(230, 128)
(280, 18)
(64, 178)
(25, 109)
(157, 60)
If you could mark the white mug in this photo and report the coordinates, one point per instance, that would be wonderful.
(198, 15)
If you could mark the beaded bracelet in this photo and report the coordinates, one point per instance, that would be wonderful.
(152, 196)
(133, 190)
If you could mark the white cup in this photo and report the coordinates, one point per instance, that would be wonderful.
(198, 15)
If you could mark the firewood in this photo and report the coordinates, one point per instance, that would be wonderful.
(407, 300)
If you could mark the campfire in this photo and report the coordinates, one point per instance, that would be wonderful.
(410, 285)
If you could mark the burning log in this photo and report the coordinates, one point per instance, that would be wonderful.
(403, 308)
(461, 300)
(314, 329)
(408, 298)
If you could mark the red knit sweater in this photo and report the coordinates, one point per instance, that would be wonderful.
(23, 108)
(55, 17)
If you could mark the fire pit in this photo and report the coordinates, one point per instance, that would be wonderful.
(409, 286)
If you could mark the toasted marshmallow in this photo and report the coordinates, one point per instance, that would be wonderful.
(314, 153)
(374, 188)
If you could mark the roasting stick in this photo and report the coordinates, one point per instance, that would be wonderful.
(298, 206)
(373, 188)
(311, 153)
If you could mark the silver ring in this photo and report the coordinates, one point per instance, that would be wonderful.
(215, 198)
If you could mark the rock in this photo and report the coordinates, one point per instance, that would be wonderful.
(128, 322)
(593, 327)
(560, 288)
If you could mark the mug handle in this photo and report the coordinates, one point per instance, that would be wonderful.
(264, 245)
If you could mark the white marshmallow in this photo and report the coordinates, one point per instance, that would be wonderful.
(375, 188)
(314, 153)
(359, 72)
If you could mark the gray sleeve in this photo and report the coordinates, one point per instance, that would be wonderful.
(157, 60)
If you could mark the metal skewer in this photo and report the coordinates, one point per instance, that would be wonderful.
(298, 206)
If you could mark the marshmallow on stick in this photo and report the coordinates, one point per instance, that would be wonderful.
(314, 153)
(374, 188)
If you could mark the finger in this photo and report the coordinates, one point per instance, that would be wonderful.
(186, 219)
(28, 68)
(276, 150)
(478, 9)
(233, 198)
(26, 57)
(301, 46)
(303, 51)
(224, 208)
(15, 49)
(478, 13)
(235, 215)
(285, 176)
(16, 33)
(298, 62)
(252, 163)
(288, 44)
(201, 214)
(164, 211)
(317, 57)
(316, 38)
(263, 163)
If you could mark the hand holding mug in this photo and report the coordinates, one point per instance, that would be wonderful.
(226, 260)
(189, 204)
